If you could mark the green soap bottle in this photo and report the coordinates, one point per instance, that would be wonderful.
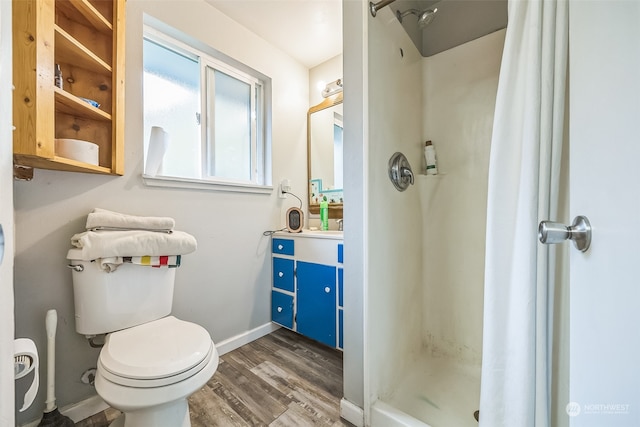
(324, 214)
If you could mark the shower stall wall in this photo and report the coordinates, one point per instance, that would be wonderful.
(425, 262)
(394, 304)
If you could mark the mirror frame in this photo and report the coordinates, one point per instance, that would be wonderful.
(335, 209)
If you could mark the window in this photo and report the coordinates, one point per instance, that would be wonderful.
(214, 110)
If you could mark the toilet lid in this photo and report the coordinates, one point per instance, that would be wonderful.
(158, 349)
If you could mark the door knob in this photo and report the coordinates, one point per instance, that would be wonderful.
(550, 232)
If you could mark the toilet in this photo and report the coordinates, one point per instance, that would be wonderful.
(151, 362)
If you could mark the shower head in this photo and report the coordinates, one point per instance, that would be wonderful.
(424, 16)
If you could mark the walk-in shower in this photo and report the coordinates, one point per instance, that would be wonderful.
(425, 245)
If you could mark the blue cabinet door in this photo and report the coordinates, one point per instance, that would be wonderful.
(340, 329)
(340, 287)
(316, 302)
(282, 309)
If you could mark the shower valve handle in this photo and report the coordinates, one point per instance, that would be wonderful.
(406, 172)
(400, 172)
(550, 232)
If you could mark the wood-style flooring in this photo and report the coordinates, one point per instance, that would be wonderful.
(282, 379)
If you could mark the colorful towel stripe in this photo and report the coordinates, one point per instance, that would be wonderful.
(171, 261)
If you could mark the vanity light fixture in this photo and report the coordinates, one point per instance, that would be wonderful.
(332, 88)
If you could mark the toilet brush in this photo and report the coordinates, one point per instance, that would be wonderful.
(52, 417)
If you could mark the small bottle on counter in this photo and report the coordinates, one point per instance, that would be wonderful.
(57, 80)
(430, 160)
(324, 214)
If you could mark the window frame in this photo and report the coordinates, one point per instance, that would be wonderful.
(260, 93)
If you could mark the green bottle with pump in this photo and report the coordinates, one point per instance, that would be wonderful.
(324, 214)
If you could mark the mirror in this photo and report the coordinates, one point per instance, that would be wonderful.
(324, 155)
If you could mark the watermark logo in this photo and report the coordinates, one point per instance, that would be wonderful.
(573, 409)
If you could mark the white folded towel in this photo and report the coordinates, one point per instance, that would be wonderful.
(102, 219)
(105, 244)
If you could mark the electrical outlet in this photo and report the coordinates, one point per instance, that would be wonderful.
(285, 186)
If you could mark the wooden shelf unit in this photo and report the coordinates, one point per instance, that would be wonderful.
(86, 39)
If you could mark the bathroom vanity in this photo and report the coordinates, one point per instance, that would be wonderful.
(307, 285)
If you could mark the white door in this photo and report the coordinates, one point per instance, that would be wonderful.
(6, 221)
(605, 187)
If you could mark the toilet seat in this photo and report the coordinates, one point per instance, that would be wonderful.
(155, 354)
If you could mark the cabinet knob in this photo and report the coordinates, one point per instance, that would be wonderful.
(280, 274)
(279, 309)
(280, 247)
(327, 289)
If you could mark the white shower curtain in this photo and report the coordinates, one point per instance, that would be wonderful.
(523, 190)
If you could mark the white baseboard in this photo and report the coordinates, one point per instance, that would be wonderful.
(352, 413)
(245, 338)
(85, 409)
(78, 411)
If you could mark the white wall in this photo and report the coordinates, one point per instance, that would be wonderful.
(225, 284)
(6, 220)
(356, 105)
(460, 87)
(394, 318)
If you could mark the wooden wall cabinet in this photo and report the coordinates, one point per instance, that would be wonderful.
(85, 38)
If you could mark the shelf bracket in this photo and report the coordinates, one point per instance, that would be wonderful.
(22, 173)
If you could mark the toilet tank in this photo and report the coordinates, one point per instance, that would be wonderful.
(129, 296)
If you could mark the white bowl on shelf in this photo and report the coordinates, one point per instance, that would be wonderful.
(77, 149)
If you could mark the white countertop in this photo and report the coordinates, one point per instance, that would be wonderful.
(314, 234)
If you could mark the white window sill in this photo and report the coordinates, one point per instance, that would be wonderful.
(198, 184)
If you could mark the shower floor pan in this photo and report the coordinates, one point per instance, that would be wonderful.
(437, 392)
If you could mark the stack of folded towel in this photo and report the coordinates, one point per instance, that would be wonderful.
(102, 219)
(113, 238)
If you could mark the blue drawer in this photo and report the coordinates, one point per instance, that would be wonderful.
(340, 253)
(282, 309)
(282, 246)
(283, 274)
